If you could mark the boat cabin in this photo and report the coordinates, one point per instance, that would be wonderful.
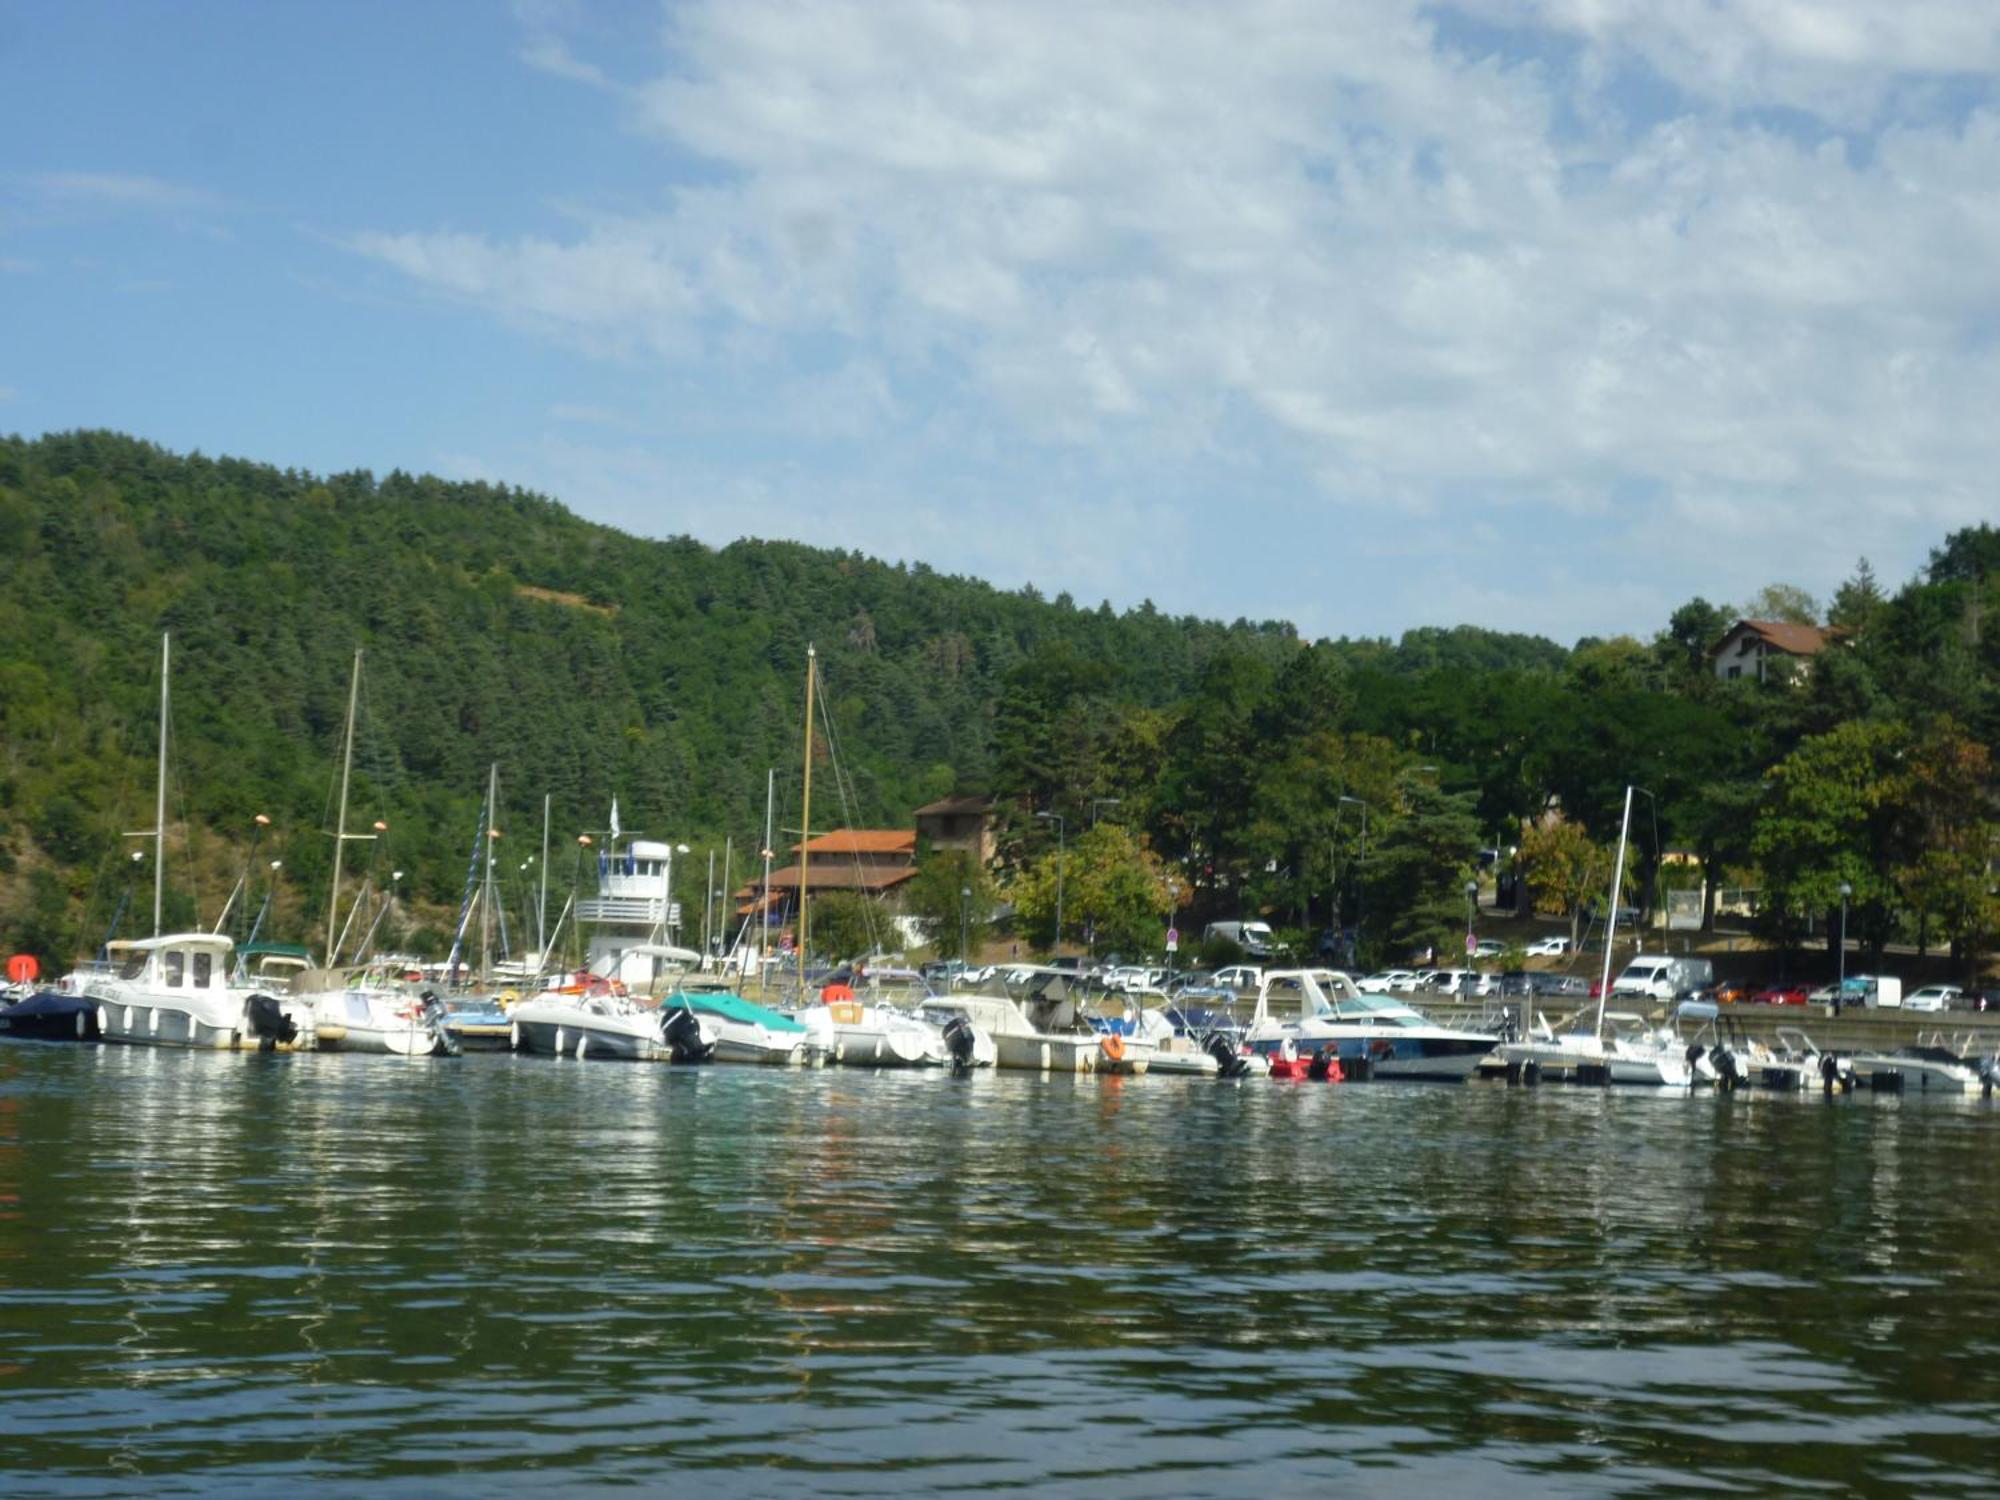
(194, 961)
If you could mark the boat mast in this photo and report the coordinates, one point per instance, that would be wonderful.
(1611, 928)
(486, 891)
(728, 851)
(340, 827)
(805, 816)
(542, 902)
(160, 793)
(764, 947)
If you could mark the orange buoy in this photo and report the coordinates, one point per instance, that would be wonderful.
(1113, 1046)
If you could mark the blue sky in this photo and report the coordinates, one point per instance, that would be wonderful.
(1541, 315)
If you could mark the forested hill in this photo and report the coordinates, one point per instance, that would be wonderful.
(498, 628)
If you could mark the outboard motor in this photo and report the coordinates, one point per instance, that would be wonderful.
(1228, 1061)
(269, 1023)
(1728, 1071)
(681, 1029)
(960, 1042)
(1989, 1074)
(1694, 1055)
(1317, 1068)
(438, 1019)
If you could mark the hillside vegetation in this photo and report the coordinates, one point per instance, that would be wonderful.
(498, 627)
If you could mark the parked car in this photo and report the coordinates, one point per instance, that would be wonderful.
(1934, 997)
(1983, 1000)
(1488, 948)
(1239, 977)
(1733, 992)
(1254, 938)
(1548, 947)
(1781, 994)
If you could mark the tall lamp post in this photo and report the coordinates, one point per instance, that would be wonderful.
(964, 923)
(1840, 988)
(1061, 835)
(1097, 802)
(1471, 912)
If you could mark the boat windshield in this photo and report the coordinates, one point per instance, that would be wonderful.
(1380, 1009)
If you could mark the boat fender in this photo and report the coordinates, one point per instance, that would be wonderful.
(1829, 1070)
(1531, 1073)
(269, 1023)
(1113, 1047)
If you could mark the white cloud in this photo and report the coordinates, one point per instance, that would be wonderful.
(1362, 262)
(117, 190)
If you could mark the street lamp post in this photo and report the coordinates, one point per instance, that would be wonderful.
(1471, 911)
(1097, 802)
(1061, 835)
(964, 923)
(1840, 988)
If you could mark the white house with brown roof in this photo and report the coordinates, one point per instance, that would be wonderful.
(1762, 650)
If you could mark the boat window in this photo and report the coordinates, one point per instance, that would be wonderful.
(176, 968)
(133, 967)
(204, 968)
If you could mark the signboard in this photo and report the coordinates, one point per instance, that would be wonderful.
(673, 914)
(1173, 940)
(1471, 946)
(1684, 911)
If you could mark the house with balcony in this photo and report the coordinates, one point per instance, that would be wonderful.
(1768, 650)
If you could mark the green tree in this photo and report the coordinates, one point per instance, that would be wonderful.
(1947, 834)
(1566, 868)
(950, 893)
(1112, 884)
(843, 927)
(1418, 866)
(1827, 818)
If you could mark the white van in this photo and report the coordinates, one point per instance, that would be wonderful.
(1254, 938)
(1661, 976)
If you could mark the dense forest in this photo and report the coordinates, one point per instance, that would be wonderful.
(1319, 783)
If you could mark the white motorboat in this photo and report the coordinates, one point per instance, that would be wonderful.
(746, 1032)
(1041, 1029)
(609, 1025)
(1619, 1047)
(873, 1034)
(176, 991)
(1375, 1035)
(375, 1014)
(1933, 1065)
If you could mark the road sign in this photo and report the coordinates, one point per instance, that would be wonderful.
(1173, 940)
(1471, 946)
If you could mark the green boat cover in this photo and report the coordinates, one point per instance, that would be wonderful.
(736, 1008)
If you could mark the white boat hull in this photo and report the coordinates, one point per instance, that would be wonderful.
(204, 1026)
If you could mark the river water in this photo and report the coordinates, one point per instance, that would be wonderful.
(265, 1274)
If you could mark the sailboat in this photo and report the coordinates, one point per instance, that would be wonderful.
(850, 1030)
(1619, 1047)
(178, 989)
(372, 1010)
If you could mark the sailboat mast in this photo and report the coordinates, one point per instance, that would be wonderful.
(1611, 928)
(160, 793)
(486, 894)
(805, 816)
(340, 827)
(728, 851)
(542, 901)
(764, 911)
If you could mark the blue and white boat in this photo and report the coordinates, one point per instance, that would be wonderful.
(1374, 1035)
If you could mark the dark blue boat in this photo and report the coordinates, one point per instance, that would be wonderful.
(51, 1017)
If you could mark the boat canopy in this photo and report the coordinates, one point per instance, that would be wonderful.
(736, 1008)
(215, 942)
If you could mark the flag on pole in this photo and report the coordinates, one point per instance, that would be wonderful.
(614, 817)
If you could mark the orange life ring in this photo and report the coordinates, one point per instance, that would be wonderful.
(1113, 1046)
